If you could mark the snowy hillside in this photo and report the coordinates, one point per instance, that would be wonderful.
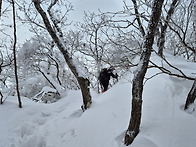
(63, 124)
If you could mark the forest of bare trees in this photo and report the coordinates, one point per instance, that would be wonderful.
(60, 56)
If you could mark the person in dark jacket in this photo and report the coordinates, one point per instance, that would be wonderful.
(104, 77)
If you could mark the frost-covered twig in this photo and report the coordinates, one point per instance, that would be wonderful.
(38, 68)
(166, 71)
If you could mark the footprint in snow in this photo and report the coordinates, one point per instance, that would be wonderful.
(77, 113)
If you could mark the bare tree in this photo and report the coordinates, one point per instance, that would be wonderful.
(138, 18)
(1, 97)
(95, 45)
(0, 7)
(164, 26)
(14, 52)
(4, 62)
(57, 35)
(137, 89)
(191, 96)
(183, 28)
(1, 62)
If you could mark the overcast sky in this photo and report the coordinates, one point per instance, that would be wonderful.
(80, 6)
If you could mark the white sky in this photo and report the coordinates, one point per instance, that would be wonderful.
(94, 5)
(80, 6)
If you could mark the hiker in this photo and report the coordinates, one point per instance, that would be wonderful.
(104, 77)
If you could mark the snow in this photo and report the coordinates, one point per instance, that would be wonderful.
(63, 124)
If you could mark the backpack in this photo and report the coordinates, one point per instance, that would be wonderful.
(103, 73)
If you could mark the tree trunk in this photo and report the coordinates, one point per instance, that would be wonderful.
(83, 82)
(14, 52)
(0, 8)
(1, 97)
(161, 41)
(84, 85)
(137, 88)
(191, 96)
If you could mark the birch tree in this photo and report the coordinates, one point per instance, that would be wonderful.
(137, 86)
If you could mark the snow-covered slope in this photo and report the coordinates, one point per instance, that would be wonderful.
(63, 124)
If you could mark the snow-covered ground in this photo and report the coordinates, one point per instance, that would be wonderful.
(63, 124)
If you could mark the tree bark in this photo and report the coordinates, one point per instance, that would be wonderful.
(191, 96)
(14, 52)
(0, 8)
(1, 97)
(137, 89)
(83, 82)
(161, 41)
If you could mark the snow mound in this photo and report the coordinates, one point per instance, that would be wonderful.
(47, 95)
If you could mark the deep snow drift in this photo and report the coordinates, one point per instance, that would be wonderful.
(63, 124)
